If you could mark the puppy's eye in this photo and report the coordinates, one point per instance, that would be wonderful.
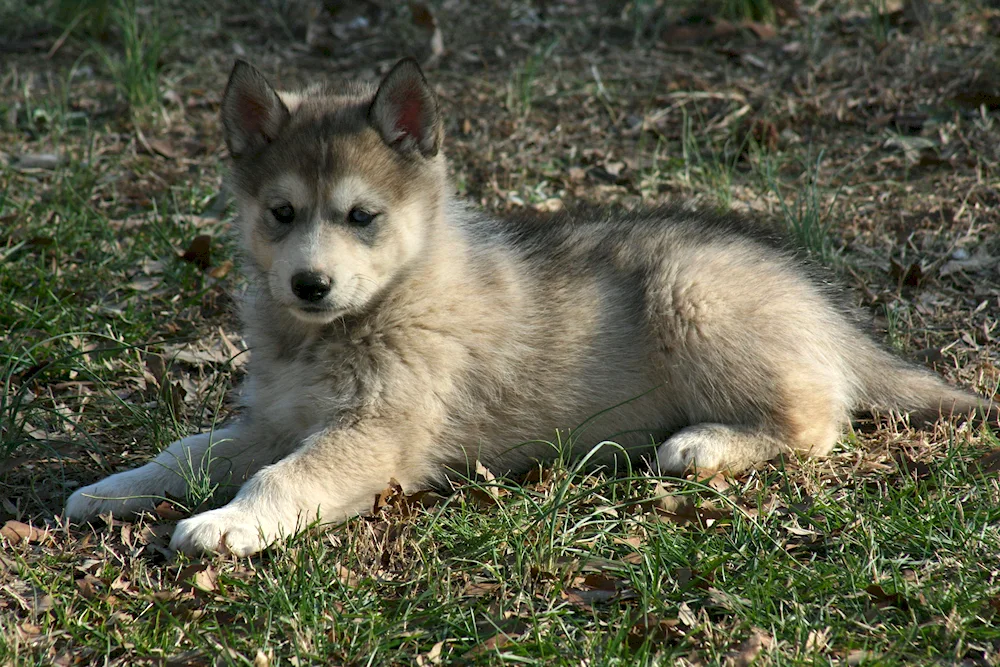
(359, 217)
(283, 214)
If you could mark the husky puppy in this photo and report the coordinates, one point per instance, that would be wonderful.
(396, 333)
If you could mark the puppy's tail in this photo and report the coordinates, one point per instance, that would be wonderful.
(888, 383)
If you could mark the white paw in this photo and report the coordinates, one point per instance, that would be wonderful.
(226, 530)
(693, 447)
(122, 495)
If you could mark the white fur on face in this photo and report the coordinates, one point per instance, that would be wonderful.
(358, 262)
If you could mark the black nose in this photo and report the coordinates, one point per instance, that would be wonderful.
(310, 285)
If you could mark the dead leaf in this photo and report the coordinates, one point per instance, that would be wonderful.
(199, 577)
(479, 589)
(88, 585)
(432, 657)
(585, 599)
(424, 18)
(499, 640)
(16, 532)
(718, 482)
(192, 658)
(156, 366)
(634, 558)
(786, 10)
(762, 31)
(165, 596)
(918, 470)
(913, 147)
(162, 147)
(682, 509)
(346, 576)
(29, 629)
(981, 261)
(167, 511)
(884, 599)
(41, 604)
(602, 582)
(910, 275)
(222, 270)
(817, 640)
(199, 252)
(654, 629)
(990, 462)
(686, 616)
(747, 652)
(389, 497)
(425, 499)
(765, 134)
(484, 472)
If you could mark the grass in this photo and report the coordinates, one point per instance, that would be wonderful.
(749, 10)
(806, 217)
(111, 346)
(143, 42)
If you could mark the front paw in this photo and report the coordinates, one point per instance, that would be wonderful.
(118, 495)
(225, 530)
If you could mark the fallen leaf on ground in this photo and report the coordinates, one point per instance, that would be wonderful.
(424, 18)
(199, 576)
(167, 511)
(683, 509)
(346, 575)
(41, 604)
(477, 589)
(747, 652)
(88, 585)
(990, 462)
(499, 640)
(654, 629)
(432, 657)
(16, 532)
(162, 147)
(199, 252)
(885, 599)
(391, 496)
(585, 599)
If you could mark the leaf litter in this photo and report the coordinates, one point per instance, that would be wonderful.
(882, 128)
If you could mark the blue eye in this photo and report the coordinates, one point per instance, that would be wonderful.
(283, 214)
(360, 217)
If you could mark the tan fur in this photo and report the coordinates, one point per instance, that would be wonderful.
(448, 337)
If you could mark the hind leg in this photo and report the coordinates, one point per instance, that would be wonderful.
(734, 448)
(716, 447)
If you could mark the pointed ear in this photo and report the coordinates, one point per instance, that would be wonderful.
(405, 111)
(252, 113)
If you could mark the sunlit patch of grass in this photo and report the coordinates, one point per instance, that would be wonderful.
(143, 42)
(806, 213)
(749, 10)
(709, 165)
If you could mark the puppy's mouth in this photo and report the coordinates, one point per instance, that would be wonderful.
(316, 314)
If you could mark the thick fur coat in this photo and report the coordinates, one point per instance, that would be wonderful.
(396, 333)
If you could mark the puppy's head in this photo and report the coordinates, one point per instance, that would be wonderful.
(337, 189)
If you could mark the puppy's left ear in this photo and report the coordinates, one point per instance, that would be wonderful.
(252, 112)
(405, 111)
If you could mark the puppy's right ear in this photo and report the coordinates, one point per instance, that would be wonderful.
(252, 113)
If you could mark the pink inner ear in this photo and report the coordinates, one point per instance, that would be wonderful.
(252, 114)
(409, 105)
